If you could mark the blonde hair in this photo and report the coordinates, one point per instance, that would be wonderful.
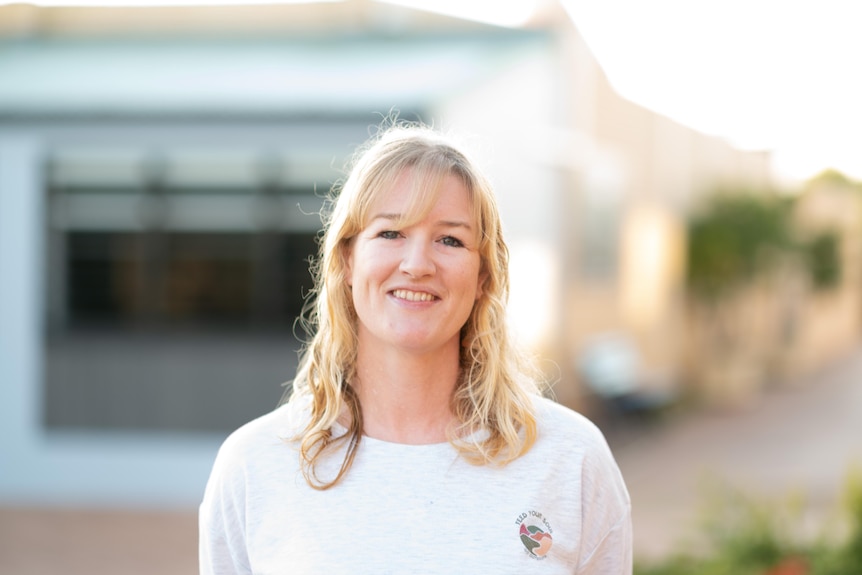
(492, 402)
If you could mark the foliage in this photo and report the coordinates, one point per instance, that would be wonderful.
(754, 538)
(733, 239)
(823, 258)
(832, 176)
(739, 236)
(848, 558)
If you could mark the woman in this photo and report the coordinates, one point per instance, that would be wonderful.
(415, 441)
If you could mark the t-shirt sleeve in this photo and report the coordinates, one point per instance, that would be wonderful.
(607, 523)
(613, 555)
(221, 519)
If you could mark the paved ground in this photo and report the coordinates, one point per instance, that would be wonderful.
(798, 438)
(87, 542)
(801, 438)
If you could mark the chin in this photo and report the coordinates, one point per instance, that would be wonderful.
(421, 342)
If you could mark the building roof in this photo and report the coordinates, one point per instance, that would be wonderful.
(342, 74)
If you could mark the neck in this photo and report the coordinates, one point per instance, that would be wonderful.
(405, 397)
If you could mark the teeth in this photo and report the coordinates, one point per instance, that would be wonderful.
(412, 295)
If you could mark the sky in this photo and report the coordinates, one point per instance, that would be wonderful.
(778, 75)
(783, 75)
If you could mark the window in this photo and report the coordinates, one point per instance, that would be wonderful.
(174, 281)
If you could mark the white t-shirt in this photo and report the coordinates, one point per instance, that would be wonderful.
(561, 508)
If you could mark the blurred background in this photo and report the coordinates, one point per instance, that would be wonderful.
(678, 188)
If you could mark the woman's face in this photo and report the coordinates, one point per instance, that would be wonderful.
(414, 287)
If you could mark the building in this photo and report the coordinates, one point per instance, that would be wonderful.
(160, 170)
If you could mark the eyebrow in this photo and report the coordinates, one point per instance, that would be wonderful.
(442, 223)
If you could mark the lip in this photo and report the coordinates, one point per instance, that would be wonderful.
(393, 293)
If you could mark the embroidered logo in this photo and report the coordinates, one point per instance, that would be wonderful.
(536, 534)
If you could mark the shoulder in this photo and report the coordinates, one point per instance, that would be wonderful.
(248, 463)
(252, 441)
(260, 449)
(558, 423)
(581, 454)
(576, 444)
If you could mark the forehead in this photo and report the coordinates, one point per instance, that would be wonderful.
(413, 197)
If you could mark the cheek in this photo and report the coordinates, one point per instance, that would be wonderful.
(472, 281)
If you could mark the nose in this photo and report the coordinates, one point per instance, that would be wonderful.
(417, 260)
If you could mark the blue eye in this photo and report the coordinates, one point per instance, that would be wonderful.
(452, 242)
(388, 235)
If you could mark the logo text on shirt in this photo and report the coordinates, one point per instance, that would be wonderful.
(536, 533)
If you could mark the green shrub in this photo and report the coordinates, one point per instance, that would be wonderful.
(738, 236)
(823, 259)
(845, 559)
(733, 239)
(747, 537)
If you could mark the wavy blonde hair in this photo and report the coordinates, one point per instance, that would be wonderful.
(492, 401)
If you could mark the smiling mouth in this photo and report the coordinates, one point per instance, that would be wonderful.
(413, 295)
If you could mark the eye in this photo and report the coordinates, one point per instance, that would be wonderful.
(388, 235)
(452, 242)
